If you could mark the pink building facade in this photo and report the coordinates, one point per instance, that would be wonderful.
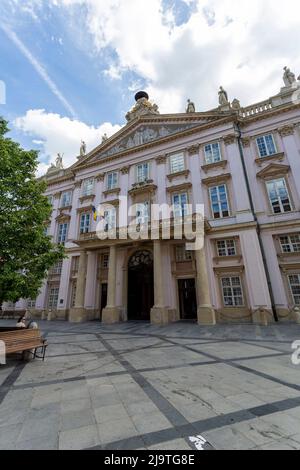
(242, 164)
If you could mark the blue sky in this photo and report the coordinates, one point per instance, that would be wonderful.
(71, 67)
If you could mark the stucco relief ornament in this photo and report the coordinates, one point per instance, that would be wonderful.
(236, 105)
(142, 107)
(190, 107)
(289, 77)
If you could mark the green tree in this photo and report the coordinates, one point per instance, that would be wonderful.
(26, 252)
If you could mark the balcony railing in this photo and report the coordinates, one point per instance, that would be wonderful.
(257, 108)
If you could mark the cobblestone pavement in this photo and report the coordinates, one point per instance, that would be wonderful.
(137, 386)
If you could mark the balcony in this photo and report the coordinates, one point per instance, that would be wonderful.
(146, 186)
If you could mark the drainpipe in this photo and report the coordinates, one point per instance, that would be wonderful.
(258, 229)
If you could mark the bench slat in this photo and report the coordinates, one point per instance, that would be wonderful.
(23, 340)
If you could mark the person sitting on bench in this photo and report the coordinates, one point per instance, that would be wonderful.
(21, 322)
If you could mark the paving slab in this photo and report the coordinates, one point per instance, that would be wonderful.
(140, 386)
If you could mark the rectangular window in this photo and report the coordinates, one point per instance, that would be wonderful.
(212, 153)
(56, 270)
(110, 218)
(66, 199)
(75, 263)
(143, 213)
(88, 187)
(290, 243)
(182, 254)
(279, 196)
(10, 305)
(226, 248)
(142, 172)
(266, 145)
(85, 222)
(53, 297)
(232, 291)
(180, 202)
(112, 180)
(105, 261)
(294, 282)
(62, 233)
(50, 200)
(219, 201)
(31, 303)
(177, 163)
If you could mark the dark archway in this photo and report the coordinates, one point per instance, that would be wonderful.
(140, 285)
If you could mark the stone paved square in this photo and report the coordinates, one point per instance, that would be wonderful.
(139, 386)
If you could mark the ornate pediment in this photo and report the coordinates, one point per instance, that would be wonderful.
(145, 134)
(146, 130)
(273, 170)
(63, 217)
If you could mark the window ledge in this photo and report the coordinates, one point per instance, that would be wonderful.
(237, 258)
(180, 187)
(212, 166)
(229, 269)
(87, 198)
(108, 192)
(140, 184)
(145, 188)
(282, 214)
(216, 179)
(65, 208)
(293, 254)
(178, 174)
(276, 157)
(85, 209)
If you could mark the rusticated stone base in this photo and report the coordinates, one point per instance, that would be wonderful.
(206, 316)
(284, 314)
(78, 315)
(61, 315)
(163, 316)
(295, 315)
(234, 315)
(111, 315)
(263, 317)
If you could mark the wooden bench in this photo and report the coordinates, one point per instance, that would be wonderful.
(11, 314)
(22, 340)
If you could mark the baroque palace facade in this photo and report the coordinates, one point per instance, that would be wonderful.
(243, 164)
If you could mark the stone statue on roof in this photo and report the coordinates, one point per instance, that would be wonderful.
(82, 149)
(59, 161)
(190, 107)
(104, 138)
(223, 97)
(289, 77)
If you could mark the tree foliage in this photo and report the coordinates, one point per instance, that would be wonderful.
(26, 252)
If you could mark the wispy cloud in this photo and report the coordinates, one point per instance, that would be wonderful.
(39, 68)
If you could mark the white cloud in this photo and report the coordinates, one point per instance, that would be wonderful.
(61, 134)
(242, 46)
(193, 59)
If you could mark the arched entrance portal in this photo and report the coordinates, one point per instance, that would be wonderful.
(140, 286)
